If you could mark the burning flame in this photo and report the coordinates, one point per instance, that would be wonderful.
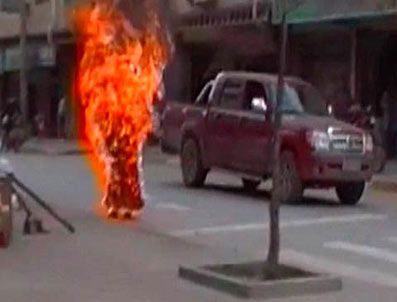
(119, 73)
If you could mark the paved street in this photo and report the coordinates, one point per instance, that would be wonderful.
(138, 261)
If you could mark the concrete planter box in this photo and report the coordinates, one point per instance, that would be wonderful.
(244, 280)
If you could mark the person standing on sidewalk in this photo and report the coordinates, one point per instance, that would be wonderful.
(389, 104)
(61, 117)
(8, 117)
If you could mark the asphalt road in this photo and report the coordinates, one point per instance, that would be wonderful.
(220, 223)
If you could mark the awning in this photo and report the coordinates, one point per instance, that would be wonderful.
(342, 14)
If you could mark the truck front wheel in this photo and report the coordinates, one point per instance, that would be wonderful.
(350, 193)
(193, 172)
(291, 187)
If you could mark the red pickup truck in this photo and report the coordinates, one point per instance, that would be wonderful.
(230, 126)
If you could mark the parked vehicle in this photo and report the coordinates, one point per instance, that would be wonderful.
(17, 136)
(230, 126)
(155, 134)
(367, 120)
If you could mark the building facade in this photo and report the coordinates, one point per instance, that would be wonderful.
(45, 57)
(342, 47)
(345, 48)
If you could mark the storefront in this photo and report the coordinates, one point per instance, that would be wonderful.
(222, 35)
(42, 83)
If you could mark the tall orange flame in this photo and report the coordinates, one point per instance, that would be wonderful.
(119, 73)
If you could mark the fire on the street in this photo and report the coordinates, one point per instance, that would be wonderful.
(118, 76)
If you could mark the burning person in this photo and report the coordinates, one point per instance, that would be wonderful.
(119, 74)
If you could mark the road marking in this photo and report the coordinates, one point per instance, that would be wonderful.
(338, 268)
(173, 161)
(370, 251)
(293, 223)
(170, 206)
(392, 239)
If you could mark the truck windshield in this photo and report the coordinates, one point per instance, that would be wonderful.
(300, 99)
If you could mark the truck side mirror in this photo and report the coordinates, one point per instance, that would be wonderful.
(258, 104)
(330, 110)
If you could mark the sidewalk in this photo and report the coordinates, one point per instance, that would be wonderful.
(387, 181)
(53, 147)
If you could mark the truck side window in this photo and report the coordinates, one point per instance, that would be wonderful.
(231, 95)
(203, 97)
(255, 97)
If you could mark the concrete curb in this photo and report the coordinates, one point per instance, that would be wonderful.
(384, 185)
(256, 289)
(54, 152)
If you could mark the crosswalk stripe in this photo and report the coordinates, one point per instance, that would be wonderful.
(294, 223)
(392, 239)
(170, 206)
(338, 268)
(173, 161)
(370, 251)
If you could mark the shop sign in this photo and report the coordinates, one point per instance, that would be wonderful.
(11, 6)
(12, 59)
(37, 56)
(46, 56)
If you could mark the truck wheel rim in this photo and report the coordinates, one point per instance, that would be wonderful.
(285, 180)
(189, 161)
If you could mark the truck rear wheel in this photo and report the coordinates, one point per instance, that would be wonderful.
(193, 172)
(350, 193)
(5, 214)
(291, 187)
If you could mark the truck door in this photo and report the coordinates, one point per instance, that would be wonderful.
(222, 123)
(254, 131)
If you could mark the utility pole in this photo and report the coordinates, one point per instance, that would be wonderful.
(23, 89)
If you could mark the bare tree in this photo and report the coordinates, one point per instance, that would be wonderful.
(274, 207)
(23, 50)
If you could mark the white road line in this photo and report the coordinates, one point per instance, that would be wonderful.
(173, 161)
(170, 206)
(293, 223)
(370, 251)
(338, 268)
(392, 239)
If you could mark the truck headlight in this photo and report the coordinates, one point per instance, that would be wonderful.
(319, 140)
(368, 143)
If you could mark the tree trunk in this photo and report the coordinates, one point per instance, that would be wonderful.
(274, 207)
(23, 68)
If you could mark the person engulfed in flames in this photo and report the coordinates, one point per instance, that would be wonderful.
(119, 73)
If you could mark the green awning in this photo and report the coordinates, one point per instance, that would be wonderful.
(330, 11)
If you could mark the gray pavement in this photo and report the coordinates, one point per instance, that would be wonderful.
(386, 181)
(138, 261)
(53, 147)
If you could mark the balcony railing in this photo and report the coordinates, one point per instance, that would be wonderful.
(235, 15)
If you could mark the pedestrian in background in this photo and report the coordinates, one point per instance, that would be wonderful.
(389, 105)
(61, 117)
(9, 116)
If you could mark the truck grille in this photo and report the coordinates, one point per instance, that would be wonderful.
(348, 143)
